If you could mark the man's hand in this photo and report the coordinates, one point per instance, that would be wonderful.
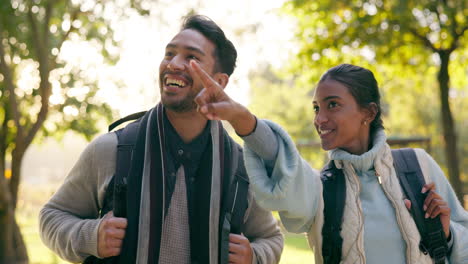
(215, 104)
(435, 205)
(240, 251)
(111, 233)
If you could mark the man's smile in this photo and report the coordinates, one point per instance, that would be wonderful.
(174, 82)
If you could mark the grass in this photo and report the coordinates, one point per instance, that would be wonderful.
(296, 250)
(31, 200)
(38, 253)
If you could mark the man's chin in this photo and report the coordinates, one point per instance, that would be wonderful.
(179, 107)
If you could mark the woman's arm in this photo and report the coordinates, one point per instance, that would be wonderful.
(286, 183)
(458, 215)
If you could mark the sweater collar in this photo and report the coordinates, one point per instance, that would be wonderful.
(365, 161)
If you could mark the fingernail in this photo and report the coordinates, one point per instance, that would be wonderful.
(423, 190)
(425, 207)
(426, 215)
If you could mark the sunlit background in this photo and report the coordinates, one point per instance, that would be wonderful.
(260, 34)
(107, 68)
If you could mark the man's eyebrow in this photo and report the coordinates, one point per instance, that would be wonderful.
(197, 50)
(191, 48)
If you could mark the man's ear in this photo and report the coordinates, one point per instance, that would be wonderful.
(221, 78)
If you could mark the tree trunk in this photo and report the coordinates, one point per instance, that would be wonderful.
(16, 161)
(12, 246)
(17, 242)
(19, 247)
(7, 254)
(6, 240)
(450, 137)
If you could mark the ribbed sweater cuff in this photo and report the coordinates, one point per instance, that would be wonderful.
(91, 244)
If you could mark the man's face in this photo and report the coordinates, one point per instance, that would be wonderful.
(177, 86)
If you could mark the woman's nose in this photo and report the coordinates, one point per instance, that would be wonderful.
(320, 118)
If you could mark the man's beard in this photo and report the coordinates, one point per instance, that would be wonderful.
(187, 104)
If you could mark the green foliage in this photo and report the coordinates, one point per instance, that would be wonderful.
(387, 37)
(289, 105)
(33, 37)
(42, 91)
(272, 97)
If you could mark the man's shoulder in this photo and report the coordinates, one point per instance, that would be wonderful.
(103, 145)
(106, 138)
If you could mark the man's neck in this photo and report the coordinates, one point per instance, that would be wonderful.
(188, 125)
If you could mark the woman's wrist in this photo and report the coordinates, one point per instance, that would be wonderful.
(244, 122)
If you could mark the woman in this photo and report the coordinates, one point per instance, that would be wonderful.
(377, 226)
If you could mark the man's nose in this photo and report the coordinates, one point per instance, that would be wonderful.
(176, 64)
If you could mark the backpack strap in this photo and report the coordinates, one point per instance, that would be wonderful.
(334, 193)
(238, 192)
(130, 117)
(411, 179)
(115, 197)
(237, 201)
(126, 144)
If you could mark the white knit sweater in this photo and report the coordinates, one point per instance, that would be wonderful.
(377, 227)
(353, 221)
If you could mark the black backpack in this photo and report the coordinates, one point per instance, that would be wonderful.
(411, 179)
(232, 211)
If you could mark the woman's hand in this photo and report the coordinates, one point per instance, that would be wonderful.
(435, 205)
(215, 104)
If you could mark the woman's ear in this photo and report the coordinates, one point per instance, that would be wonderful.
(372, 111)
(222, 79)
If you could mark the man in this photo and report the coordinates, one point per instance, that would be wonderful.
(177, 181)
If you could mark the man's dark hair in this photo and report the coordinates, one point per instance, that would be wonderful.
(362, 85)
(225, 52)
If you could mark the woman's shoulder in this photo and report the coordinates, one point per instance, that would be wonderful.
(426, 161)
(432, 171)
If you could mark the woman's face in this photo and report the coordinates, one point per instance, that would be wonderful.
(339, 120)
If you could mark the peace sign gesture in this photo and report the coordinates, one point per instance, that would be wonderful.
(215, 104)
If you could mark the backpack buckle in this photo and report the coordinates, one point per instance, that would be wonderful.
(439, 254)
